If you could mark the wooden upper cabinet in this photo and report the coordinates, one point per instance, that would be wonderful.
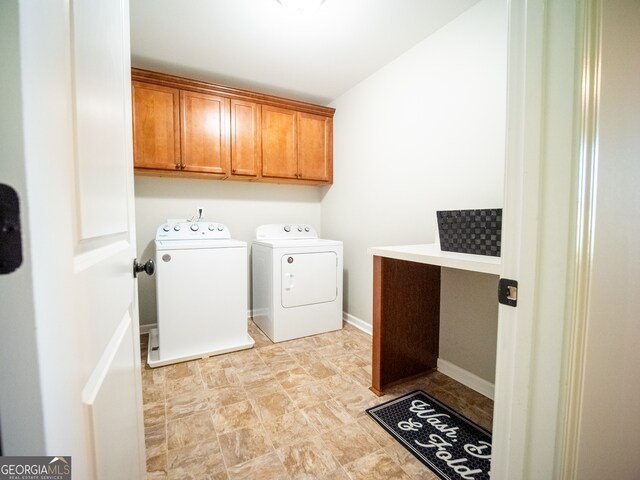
(204, 135)
(279, 142)
(193, 128)
(246, 138)
(315, 147)
(156, 127)
(296, 145)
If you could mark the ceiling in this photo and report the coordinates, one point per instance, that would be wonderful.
(258, 45)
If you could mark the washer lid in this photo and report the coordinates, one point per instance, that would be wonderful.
(174, 230)
(190, 244)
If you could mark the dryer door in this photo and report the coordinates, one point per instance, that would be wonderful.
(308, 278)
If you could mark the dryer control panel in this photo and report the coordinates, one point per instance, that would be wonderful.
(183, 230)
(284, 231)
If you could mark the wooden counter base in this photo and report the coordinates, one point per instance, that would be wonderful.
(406, 320)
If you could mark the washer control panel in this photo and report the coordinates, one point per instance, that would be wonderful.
(285, 231)
(183, 230)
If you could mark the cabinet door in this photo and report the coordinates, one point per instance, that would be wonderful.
(204, 135)
(315, 149)
(279, 143)
(245, 138)
(156, 127)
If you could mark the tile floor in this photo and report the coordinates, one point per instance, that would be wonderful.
(291, 410)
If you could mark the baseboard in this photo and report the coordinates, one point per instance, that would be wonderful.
(466, 378)
(350, 319)
(358, 323)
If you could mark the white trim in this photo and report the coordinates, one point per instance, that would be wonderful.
(590, 61)
(466, 378)
(358, 323)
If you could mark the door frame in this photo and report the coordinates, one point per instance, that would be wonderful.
(547, 64)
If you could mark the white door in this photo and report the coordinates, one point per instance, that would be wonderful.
(106, 307)
(70, 374)
(309, 278)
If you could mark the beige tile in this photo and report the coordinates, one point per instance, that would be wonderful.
(153, 393)
(226, 395)
(154, 414)
(347, 361)
(235, 416)
(181, 370)
(266, 467)
(307, 459)
(338, 474)
(263, 386)
(308, 394)
(246, 359)
(202, 460)
(273, 405)
(376, 432)
(327, 415)
(294, 377)
(157, 464)
(306, 398)
(297, 345)
(179, 386)
(376, 466)
(253, 374)
(155, 440)
(349, 443)
(186, 404)
(190, 430)
(221, 377)
(289, 428)
(245, 444)
(320, 369)
(357, 401)
(216, 362)
(410, 464)
(360, 375)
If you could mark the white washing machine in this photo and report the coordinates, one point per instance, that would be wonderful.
(297, 282)
(201, 288)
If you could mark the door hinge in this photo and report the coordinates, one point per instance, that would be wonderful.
(508, 292)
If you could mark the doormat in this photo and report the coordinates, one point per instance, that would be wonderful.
(452, 446)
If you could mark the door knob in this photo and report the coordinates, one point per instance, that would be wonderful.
(147, 268)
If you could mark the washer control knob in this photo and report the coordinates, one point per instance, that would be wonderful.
(287, 228)
(220, 228)
(306, 229)
(195, 227)
(166, 228)
(299, 228)
(177, 228)
(212, 227)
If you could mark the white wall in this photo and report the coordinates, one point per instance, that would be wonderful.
(241, 206)
(424, 133)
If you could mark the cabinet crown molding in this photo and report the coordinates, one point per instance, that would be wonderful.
(174, 81)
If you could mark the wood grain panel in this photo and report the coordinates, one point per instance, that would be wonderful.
(406, 320)
(315, 149)
(156, 127)
(204, 135)
(245, 138)
(279, 143)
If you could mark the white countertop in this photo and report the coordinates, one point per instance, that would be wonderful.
(431, 254)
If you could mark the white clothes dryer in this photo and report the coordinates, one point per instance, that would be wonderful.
(296, 280)
(201, 288)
